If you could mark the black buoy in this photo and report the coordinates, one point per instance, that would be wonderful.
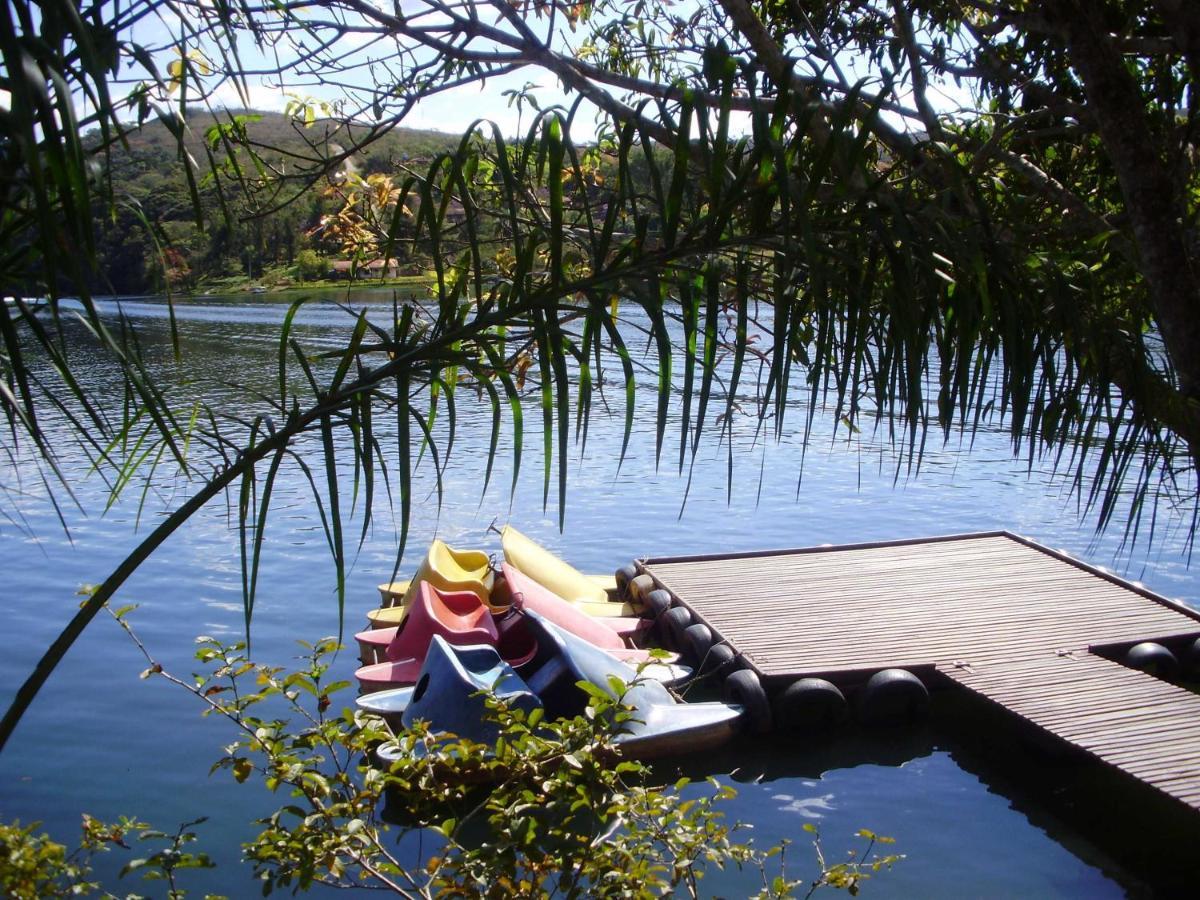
(641, 586)
(743, 689)
(674, 622)
(658, 602)
(1191, 659)
(718, 659)
(1153, 659)
(623, 576)
(809, 704)
(892, 697)
(697, 638)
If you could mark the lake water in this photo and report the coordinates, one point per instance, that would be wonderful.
(972, 820)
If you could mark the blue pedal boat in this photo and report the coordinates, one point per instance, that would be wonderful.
(448, 695)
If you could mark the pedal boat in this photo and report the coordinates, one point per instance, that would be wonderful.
(446, 568)
(447, 695)
(393, 656)
(588, 592)
(607, 633)
(449, 692)
(458, 617)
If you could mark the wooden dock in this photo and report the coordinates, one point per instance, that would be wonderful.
(1013, 622)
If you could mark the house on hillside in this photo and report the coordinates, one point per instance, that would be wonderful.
(380, 268)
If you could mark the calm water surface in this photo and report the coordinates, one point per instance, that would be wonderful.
(100, 740)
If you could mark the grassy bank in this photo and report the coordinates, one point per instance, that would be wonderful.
(282, 282)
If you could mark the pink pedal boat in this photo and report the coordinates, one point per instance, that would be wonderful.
(608, 634)
(460, 617)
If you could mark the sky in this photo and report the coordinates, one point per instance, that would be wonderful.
(451, 112)
(455, 111)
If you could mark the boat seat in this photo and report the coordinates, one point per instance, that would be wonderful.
(450, 688)
(555, 680)
(446, 568)
(392, 593)
(386, 616)
(628, 627)
(391, 616)
(607, 609)
(460, 620)
(541, 680)
(451, 569)
(606, 583)
(459, 610)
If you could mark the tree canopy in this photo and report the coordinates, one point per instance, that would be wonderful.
(924, 214)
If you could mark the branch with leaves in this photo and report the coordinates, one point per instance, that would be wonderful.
(550, 808)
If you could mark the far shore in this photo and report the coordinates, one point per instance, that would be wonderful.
(242, 286)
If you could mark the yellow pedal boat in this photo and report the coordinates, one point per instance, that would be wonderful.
(588, 592)
(446, 568)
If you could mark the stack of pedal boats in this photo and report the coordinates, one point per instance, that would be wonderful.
(529, 633)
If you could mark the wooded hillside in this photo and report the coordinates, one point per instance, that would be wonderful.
(154, 237)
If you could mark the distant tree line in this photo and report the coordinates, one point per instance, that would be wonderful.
(151, 239)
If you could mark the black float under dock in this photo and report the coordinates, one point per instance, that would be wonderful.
(1030, 629)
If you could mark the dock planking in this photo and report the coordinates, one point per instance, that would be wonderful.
(1146, 727)
(1015, 623)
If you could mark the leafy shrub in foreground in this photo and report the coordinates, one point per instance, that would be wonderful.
(550, 808)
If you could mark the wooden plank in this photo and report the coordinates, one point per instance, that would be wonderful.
(864, 653)
(1149, 729)
(939, 644)
(1169, 765)
(1065, 707)
(1113, 739)
(981, 537)
(1128, 721)
(1127, 733)
(978, 609)
(974, 609)
(1073, 631)
(1003, 544)
(1005, 618)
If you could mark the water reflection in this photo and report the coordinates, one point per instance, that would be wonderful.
(782, 757)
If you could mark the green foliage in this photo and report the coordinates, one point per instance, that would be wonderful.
(165, 862)
(551, 807)
(858, 867)
(250, 227)
(33, 867)
(1021, 265)
(311, 265)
